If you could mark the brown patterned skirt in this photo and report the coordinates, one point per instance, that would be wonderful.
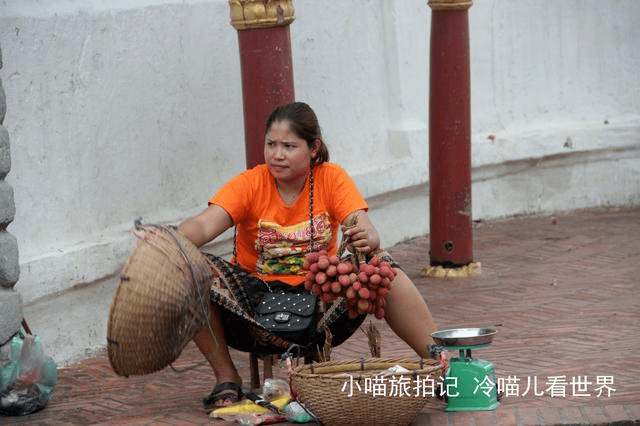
(237, 293)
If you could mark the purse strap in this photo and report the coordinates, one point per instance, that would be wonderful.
(312, 242)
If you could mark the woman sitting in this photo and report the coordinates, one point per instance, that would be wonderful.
(293, 204)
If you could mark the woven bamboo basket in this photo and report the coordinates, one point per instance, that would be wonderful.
(161, 301)
(356, 393)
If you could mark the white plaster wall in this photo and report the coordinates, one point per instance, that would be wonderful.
(127, 109)
(115, 115)
(557, 84)
(364, 67)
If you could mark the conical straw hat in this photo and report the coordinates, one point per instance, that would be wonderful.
(161, 301)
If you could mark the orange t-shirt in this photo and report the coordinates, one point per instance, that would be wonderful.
(272, 238)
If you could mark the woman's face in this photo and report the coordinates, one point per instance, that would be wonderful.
(287, 156)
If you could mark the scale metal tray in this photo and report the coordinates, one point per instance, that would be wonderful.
(464, 336)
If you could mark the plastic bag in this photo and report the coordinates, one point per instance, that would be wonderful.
(275, 388)
(297, 413)
(27, 381)
(260, 419)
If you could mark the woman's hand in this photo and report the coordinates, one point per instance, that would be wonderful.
(363, 237)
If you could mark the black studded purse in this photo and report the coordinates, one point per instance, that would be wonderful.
(291, 316)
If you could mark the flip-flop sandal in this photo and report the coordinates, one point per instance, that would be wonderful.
(219, 394)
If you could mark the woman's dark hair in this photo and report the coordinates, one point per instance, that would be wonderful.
(303, 123)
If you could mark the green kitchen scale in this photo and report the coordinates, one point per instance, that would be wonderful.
(470, 384)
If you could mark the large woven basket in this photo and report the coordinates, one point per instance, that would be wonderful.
(161, 301)
(356, 393)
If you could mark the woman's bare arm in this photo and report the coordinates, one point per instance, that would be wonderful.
(206, 226)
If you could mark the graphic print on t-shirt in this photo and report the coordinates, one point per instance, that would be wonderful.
(281, 249)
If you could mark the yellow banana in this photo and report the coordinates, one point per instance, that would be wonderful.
(247, 406)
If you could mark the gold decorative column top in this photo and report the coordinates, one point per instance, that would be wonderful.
(450, 4)
(250, 14)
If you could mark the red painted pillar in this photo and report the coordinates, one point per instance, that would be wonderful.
(265, 58)
(450, 135)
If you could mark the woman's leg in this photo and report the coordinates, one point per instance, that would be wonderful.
(408, 314)
(213, 346)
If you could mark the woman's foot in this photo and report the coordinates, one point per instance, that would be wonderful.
(223, 394)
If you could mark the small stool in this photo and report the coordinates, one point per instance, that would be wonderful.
(267, 365)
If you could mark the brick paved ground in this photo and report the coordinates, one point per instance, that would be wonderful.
(563, 296)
